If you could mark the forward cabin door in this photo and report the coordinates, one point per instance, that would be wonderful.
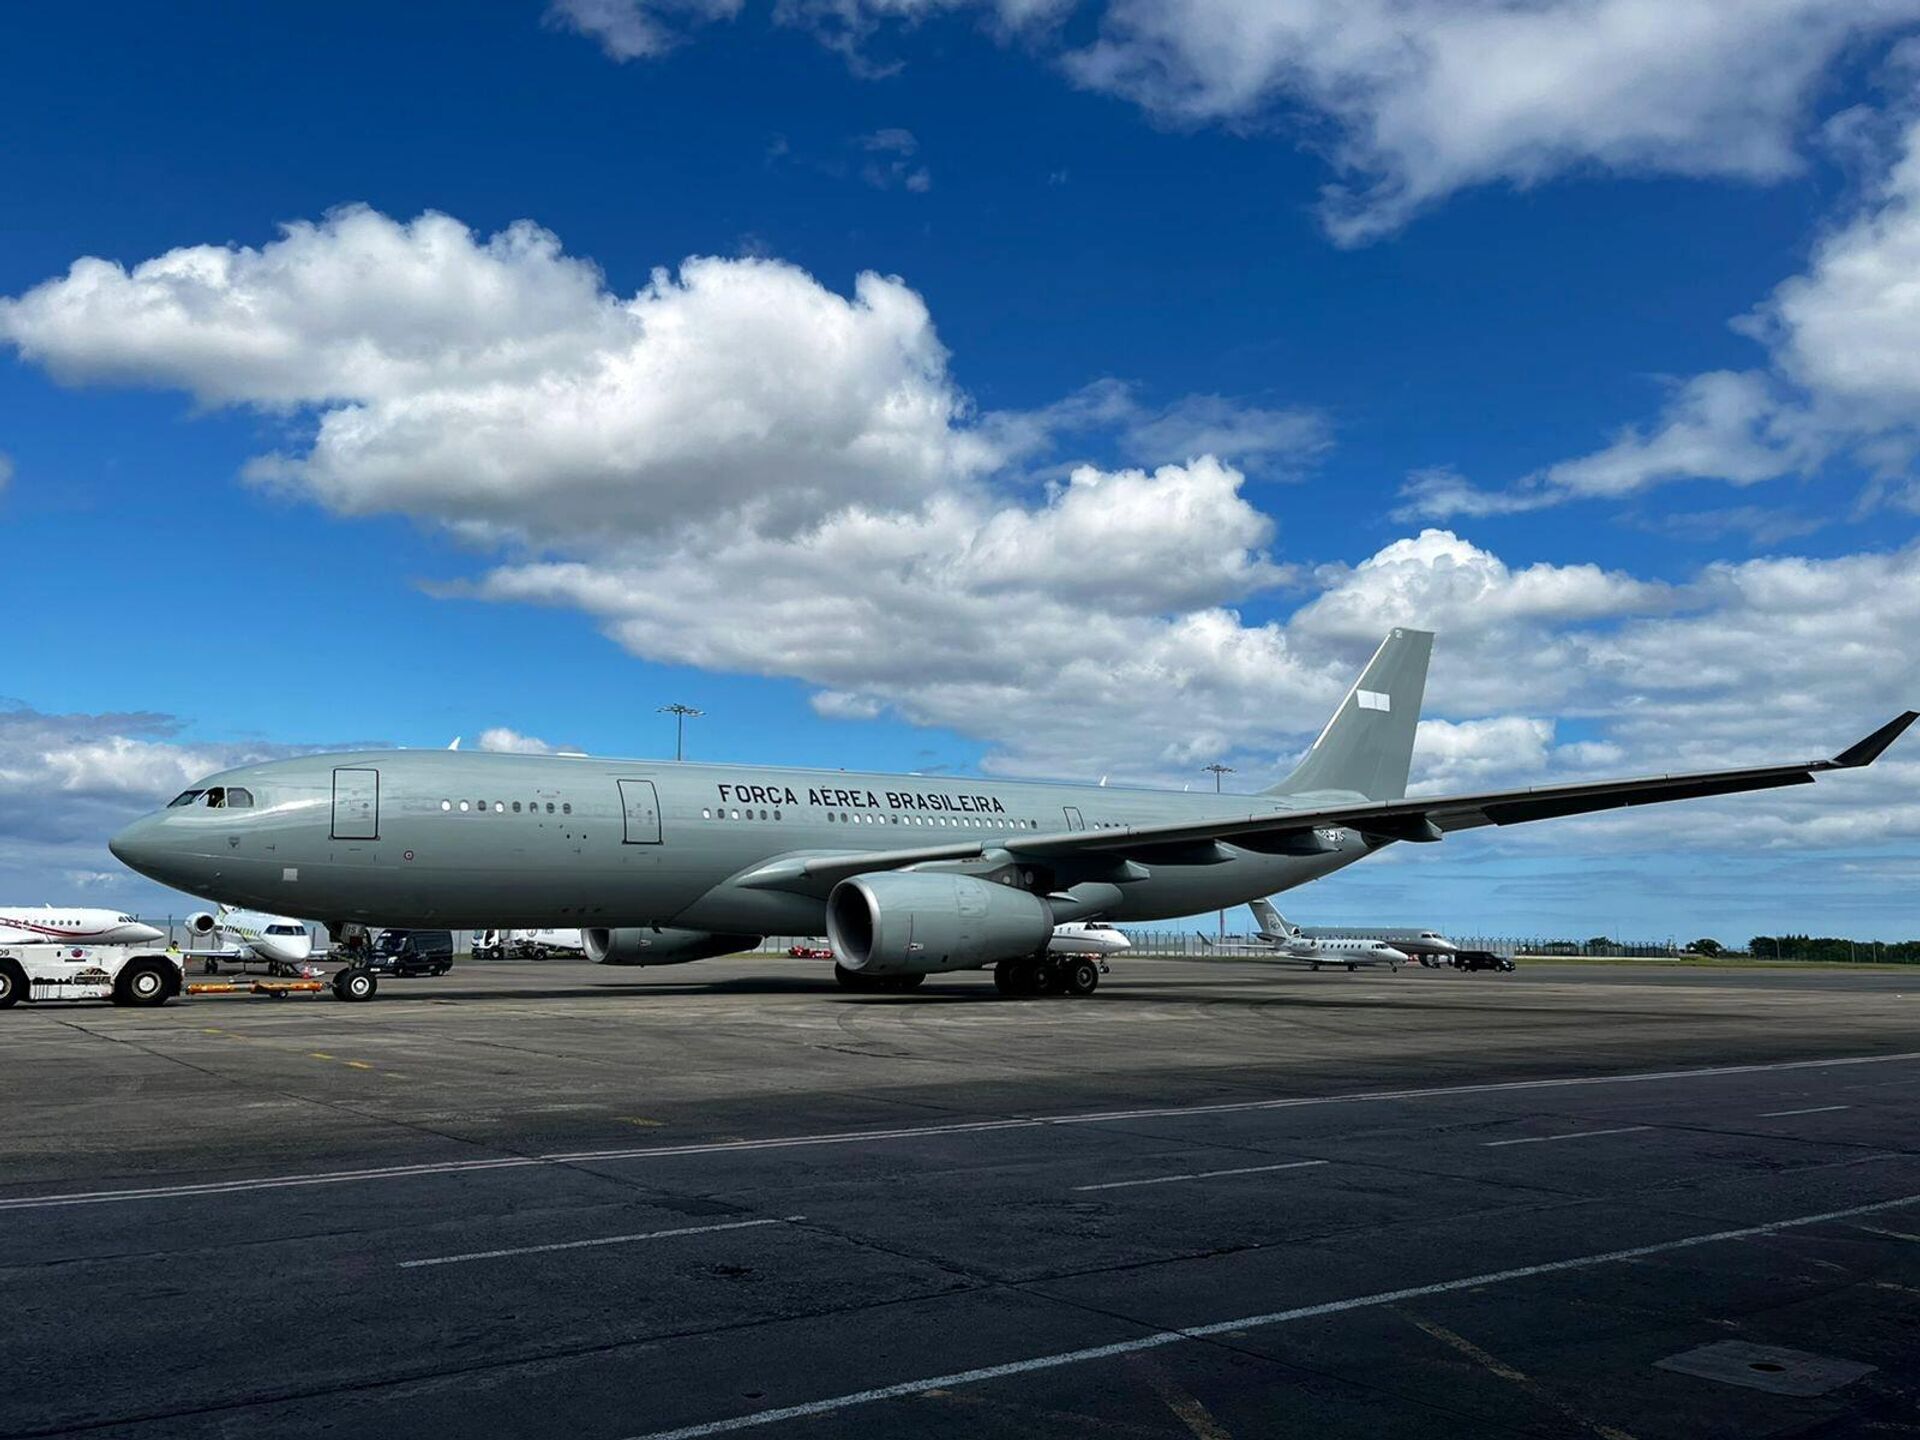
(1074, 819)
(356, 804)
(641, 805)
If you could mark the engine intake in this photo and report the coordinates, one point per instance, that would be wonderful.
(649, 945)
(908, 922)
(202, 923)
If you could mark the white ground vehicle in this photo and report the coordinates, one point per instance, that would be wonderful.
(124, 974)
(141, 976)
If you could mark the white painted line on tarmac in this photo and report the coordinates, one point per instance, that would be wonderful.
(1810, 1110)
(860, 1137)
(1576, 1135)
(590, 1244)
(1252, 1322)
(1202, 1175)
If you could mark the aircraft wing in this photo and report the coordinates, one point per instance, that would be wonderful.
(1433, 817)
(1426, 818)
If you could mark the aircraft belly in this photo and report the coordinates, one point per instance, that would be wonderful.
(1176, 890)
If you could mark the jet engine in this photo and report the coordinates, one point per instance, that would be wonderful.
(201, 923)
(906, 922)
(650, 945)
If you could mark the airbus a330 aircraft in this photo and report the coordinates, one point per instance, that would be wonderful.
(660, 862)
(29, 925)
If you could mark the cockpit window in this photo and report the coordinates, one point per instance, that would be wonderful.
(185, 797)
(286, 930)
(239, 797)
(216, 798)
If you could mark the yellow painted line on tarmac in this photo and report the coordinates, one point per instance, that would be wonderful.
(1519, 1378)
(356, 1064)
(643, 1121)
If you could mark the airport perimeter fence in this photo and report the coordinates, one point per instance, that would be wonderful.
(1191, 944)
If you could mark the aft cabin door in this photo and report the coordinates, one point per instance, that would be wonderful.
(1074, 820)
(642, 808)
(356, 804)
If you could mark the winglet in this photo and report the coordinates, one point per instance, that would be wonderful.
(1865, 752)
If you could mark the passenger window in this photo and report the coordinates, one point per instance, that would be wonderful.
(499, 808)
(463, 807)
(446, 805)
(706, 814)
(549, 807)
(566, 807)
(776, 814)
(516, 807)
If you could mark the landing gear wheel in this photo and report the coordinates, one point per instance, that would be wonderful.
(210, 966)
(1006, 978)
(13, 984)
(1351, 969)
(1315, 967)
(1049, 980)
(144, 983)
(355, 983)
(1083, 977)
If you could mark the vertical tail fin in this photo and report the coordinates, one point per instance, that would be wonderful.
(1273, 925)
(1367, 746)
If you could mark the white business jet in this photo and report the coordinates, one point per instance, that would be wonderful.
(31, 925)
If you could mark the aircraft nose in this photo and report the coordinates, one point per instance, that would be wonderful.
(138, 847)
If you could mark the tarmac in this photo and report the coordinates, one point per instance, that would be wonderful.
(1216, 1199)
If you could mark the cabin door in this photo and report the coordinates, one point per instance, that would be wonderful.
(642, 809)
(356, 804)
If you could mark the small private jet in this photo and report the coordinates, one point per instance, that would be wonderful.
(30, 925)
(1279, 938)
(250, 937)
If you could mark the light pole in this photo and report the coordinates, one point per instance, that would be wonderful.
(1217, 770)
(680, 713)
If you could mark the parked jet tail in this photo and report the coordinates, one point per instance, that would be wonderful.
(1273, 925)
(1367, 746)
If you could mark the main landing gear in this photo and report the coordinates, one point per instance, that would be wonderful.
(1047, 975)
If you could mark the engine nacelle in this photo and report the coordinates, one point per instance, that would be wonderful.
(648, 945)
(906, 922)
(202, 923)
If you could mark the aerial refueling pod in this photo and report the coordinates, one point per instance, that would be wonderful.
(202, 923)
(908, 922)
(651, 945)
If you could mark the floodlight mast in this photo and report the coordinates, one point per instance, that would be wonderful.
(680, 715)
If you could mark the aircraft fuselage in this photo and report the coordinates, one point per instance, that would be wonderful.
(422, 838)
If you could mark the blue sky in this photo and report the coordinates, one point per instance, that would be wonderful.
(1659, 536)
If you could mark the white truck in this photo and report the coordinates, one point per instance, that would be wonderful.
(124, 974)
(141, 976)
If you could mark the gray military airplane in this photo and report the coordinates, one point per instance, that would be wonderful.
(661, 862)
